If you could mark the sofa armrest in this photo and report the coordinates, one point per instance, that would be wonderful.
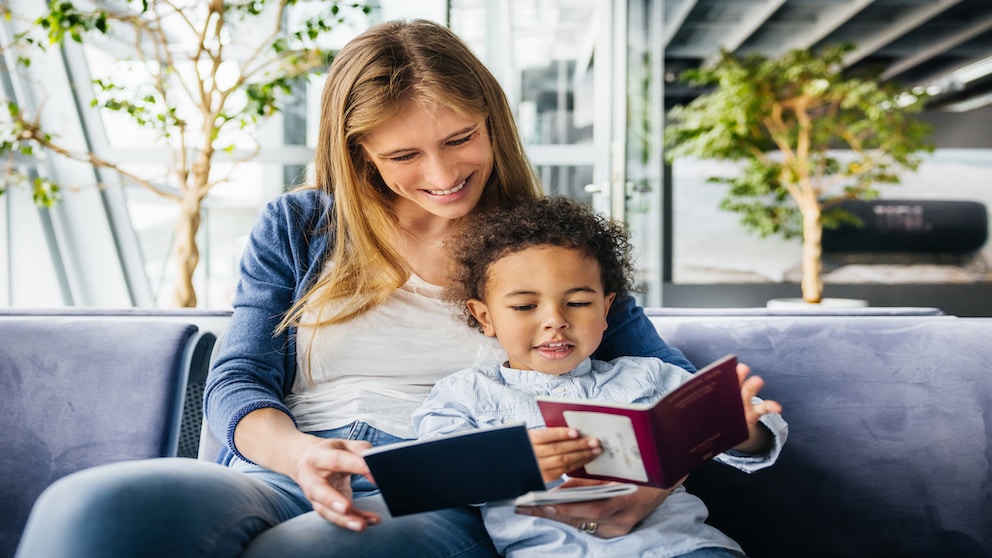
(84, 392)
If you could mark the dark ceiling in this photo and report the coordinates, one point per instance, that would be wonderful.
(942, 45)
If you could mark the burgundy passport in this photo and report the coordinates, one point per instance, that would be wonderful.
(657, 444)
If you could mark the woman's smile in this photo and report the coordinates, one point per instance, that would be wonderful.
(449, 191)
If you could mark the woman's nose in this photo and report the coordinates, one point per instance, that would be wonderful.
(441, 172)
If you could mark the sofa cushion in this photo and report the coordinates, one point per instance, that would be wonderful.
(889, 449)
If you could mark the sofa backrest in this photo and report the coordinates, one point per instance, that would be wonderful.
(211, 323)
(890, 443)
(79, 392)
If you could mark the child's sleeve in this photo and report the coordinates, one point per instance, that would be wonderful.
(751, 463)
(446, 410)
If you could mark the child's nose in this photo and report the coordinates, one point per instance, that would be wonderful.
(555, 319)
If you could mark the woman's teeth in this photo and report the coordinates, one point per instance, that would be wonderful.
(446, 192)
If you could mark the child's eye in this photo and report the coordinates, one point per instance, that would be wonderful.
(523, 307)
(579, 304)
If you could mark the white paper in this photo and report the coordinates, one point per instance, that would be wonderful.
(569, 495)
(620, 457)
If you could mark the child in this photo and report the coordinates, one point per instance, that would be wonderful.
(540, 278)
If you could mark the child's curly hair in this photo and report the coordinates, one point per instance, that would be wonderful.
(553, 221)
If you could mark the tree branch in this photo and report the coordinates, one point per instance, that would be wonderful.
(96, 161)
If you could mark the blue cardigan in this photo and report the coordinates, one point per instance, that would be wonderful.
(255, 368)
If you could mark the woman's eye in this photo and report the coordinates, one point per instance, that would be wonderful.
(461, 141)
(402, 158)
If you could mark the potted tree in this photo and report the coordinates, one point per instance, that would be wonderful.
(808, 136)
(201, 73)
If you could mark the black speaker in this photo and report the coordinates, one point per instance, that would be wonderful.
(942, 226)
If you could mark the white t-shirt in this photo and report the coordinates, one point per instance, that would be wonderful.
(379, 367)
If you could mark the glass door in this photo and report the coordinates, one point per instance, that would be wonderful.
(565, 66)
(554, 59)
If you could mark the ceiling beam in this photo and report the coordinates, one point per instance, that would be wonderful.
(676, 18)
(940, 47)
(954, 80)
(754, 19)
(892, 31)
(828, 20)
(969, 104)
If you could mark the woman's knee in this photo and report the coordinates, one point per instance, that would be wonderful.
(160, 507)
(91, 492)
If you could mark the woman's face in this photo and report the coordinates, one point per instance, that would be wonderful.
(433, 160)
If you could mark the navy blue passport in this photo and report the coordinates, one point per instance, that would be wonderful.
(467, 468)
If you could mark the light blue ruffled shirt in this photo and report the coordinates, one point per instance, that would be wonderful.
(484, 397)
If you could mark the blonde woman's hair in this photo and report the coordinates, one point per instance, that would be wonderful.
(371, 80)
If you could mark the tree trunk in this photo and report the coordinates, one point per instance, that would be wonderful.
(184, 251)
(195, 188)
(812, 261)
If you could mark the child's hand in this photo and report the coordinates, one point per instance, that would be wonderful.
(759, 438)
(560, 450)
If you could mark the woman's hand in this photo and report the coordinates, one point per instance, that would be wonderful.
(759, 438)
(608, 518)
(560, 450)
(324, 473)
(321, 467)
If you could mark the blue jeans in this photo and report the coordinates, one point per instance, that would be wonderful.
(184, 507)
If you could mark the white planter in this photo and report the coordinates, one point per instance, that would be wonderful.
(824, 303)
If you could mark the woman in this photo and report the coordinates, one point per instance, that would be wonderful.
(339, 332)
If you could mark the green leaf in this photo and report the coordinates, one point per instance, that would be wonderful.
(45, 192)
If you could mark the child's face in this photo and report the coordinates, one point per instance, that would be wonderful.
(546, 306)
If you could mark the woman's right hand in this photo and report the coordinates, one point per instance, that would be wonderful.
(322, 467)
(324, 473)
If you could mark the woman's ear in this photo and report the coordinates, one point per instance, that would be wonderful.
(480, 311)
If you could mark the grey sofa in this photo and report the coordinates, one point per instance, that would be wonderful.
(889, 453)
(80, 388)
(890, 444)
